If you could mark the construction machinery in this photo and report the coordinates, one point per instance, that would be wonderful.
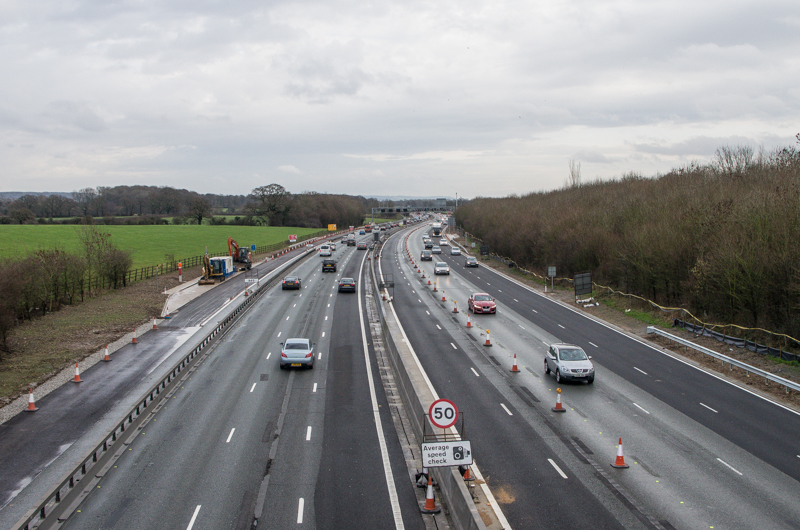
(240, 254)
(216, 269)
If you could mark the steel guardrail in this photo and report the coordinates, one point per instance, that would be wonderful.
(725, 359)
(63, 499)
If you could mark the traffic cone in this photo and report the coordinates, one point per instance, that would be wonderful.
(77, 378)
(167, 317)
(423, 274)
(434, 287)
(558, 407)
(134, 341)
(429, 281)
(468, 474)
(455, 306)
(620, 462)
(469, 322)
(443, 298)
(488, 340)
(106, 358)
(430, 503)
(31, 403)
(154, 323)
(383, 295)
(514, 367)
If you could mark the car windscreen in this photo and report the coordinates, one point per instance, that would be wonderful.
(483, 298)
(296, 346)
(572, 355)
(441, 264)
(347, 280)
(290, 279)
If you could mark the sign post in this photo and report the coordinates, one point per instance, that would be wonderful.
(551, 273)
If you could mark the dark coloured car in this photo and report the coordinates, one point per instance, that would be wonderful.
(290, 282)
(328, 265)
(362, 245)
(347, 285)
(426, 255)
(481, 303)
(471, 261)
(351, 242)
(429, 244)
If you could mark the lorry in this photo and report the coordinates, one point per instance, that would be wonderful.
(216, 269)
(437, 229)
(240, 254)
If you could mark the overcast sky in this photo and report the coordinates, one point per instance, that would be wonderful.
(386, 98)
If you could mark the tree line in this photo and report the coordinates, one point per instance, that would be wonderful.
(718, 239)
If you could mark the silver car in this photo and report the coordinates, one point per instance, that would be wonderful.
(297, 353)
(569, 362)
(436, 250)
(441, 268)
(455, 251)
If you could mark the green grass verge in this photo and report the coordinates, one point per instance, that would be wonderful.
(149, 244)
(642, 316)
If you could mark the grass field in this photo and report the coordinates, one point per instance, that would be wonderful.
(149, 244)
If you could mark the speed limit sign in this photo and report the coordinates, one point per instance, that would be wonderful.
(443, 413)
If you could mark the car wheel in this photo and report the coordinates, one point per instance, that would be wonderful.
(590, 381)
(546, 368)
(283, 366)
(558, 375)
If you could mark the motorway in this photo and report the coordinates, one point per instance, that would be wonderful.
(242, 441)
(703, 452)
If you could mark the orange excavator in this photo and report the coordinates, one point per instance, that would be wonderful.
(240, 254)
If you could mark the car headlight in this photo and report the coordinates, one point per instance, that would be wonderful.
(591, 369)
(565, 369)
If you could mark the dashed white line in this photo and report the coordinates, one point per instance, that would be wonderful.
(300, 511)
(329, 305)
(194, 517)
(253, 387)
(319, 356)
(287, 318)
(230, 436)
(639, 370)
(308, 433)
(516, 300)
(418, 300)
(474, 372)
(593, 344)
(295, 305)
(427, 312)
(520, 325)
(562, 327)
(729, 466)
(279, 333)
(314, 389)
(326, 317)
(323, 333)
(563, 475)
(506, 409)
(437, 326)
(270, 353)
(640, 408)
(535, 311)
(709, 408)
(453, 345)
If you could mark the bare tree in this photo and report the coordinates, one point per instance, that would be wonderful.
(84, 198)
(199, 208)
(574, 178)
(272, 202)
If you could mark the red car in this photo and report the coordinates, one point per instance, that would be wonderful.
(481, 303)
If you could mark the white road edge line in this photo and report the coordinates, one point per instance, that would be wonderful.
(709, 408)
(300, 504)
(387, 465)
(506, 409)
(194, 517)
(730, 466)
(230, 436)
(557, 468)
(253, 387)
(639, 370)
(640, 408)
(478, 375)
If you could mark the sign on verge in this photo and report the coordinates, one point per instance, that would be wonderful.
(331, 228)
(440, 454)
(443, 413)
(293, 238)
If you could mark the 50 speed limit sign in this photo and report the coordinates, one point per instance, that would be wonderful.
(443, 413)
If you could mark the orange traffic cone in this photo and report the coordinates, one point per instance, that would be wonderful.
(620, 462)
(154, 323)
(468, 475)
(469, 322)
(429, 281)
(106, 358)
(434, 287)
(134, 341)
(514, 367)
(443, 298)
(488, 340)
(31, 403)
(77, 378)
(383, 295)
(430, 503)
(558, 407)
(423, 274)
(455, 306)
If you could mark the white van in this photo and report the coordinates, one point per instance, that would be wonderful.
(325, 250)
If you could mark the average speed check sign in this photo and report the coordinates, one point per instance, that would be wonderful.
(443, 413)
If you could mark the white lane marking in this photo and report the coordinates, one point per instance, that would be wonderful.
(474, 372)
(418, 300)
(319, 356)
(593, 344)
(437, 326)
(546, 343)
(295, 305)
(535, 311)
(287, 318)
(279, 333)
(329, 305)
(640, 408)
(487, 283)
(326, 317)
(453, 345)
(308, 433)
(300, 504)
(270, 353)
(709, 408)
(499, 291)
(253, 387)
(302, 295)
(729, 466)
(427, 312)
(520, 325)
(562, 327)
(515, 300)
(315, 388)
(387, 465)
(194, 517)
(230, 436)
(557, 468)
(323, 333)
(477, 276)
(506, 409)
(638, 370)
(330, 295)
